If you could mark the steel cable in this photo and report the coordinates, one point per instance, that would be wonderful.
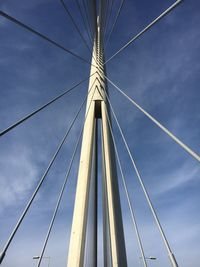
(84, 22)
(58, 201)
(144, 30)
(156, 122)
(133, 217)
(146, 194)
(115, 22)
(44, 37)
(109, 17)
(87, 19)
(3, 253)
(64, 184)
(75, 25)
(42, 107)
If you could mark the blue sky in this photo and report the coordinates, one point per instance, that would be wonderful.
(160, 71)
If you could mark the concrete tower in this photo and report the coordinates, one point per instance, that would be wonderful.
(113, 234)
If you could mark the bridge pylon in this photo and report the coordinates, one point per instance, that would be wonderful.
(113, 234)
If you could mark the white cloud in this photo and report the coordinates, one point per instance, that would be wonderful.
(18, 173)
(178, 177)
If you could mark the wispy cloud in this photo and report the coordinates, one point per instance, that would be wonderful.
(161, 71)
(18, 174)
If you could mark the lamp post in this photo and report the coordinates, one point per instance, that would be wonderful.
(149, 258)
(38, 257)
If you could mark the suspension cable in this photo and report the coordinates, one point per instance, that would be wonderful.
(87, 18)
(125, 187)
(163, 128)
(64, 184)
(77, 28)
(94, 16)
(3, 253)
(105, 11)
(12, 19)
(115, 22)
(169, 251)
(84, 22)
(109, 17)
(102, 16)
(75, 25)
(89, 4)
(127, 195)
(59, 200)
(42, 107)
(145, 29)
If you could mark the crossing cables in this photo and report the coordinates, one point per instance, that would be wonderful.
(115, 22)
(3, 253)
(127, 194)
(146, 194)
(156, 122)
(59, 201)
(42, 107)
(145, 29)
(75, 25)
(44, 37)
(64, 184)
(84, 21)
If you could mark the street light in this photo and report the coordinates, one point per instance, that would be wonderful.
(38, 257)
(149, 258)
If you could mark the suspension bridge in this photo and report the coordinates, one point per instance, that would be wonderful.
(100, 115)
